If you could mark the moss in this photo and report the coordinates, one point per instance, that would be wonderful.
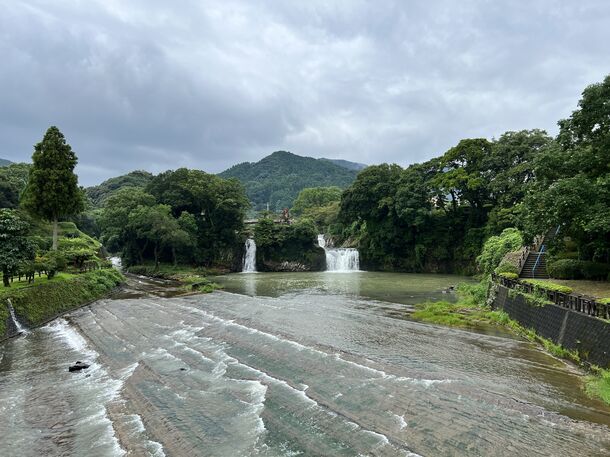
(604, 301)
(37, 304)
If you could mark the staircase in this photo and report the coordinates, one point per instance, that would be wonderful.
(535, 265)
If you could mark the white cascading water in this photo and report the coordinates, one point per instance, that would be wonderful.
(340, 259)
(250, 257)
(18, 326)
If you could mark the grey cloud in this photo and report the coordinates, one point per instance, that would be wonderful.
(157, 85)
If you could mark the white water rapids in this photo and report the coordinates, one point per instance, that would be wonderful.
(250, 257)
(340, 259)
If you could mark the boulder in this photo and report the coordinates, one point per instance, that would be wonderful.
(78, 366)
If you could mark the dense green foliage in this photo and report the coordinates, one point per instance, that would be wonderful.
(13, 179)
(496, 247)
(100, 193)
(347, 164)
(320, 205)
(52, 190)
(435, 216)
(278, 178)
(16, 249)
(278, 243)
(37, 304)
(572, 186)
(578, 269)
(185, 216)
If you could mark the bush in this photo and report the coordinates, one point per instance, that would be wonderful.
(565, 269)
(578, 269)
(507, 267)
(595, 270)
(551, 286)
(509, 275)
(496, 247)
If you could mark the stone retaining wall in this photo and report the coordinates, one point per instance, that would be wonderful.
(588, 335)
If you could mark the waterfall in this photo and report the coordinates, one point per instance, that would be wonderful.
(250, 257)
(340, 259)
(18, 326)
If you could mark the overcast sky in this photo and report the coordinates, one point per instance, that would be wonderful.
(151, 84)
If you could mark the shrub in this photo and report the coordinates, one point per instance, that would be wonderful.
(507, 267)
(496, 247)
(551, 286)
(578, 269)
(565, 269)
(509, 275)
(595, 270)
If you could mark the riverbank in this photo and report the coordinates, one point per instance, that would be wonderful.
(189, 277)
(45, 300)
(472, 310)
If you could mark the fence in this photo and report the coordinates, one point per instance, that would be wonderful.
(575, 302)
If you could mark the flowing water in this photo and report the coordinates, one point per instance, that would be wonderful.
(16, 323)
(340, 259)
(287, 365)
(250, 257)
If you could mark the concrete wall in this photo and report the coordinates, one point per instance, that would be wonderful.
(590, 336)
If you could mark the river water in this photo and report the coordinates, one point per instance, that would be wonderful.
(287, 365)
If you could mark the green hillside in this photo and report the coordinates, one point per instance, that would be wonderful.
(100, 193)
(347, 164)
(4, 162)
(278, 178)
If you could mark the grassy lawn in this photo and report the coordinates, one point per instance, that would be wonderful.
(15, 285)
(597, 289)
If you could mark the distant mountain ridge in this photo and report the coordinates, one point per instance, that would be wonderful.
(4, 162)
(100, 193)
(278, 178)
(347, 164)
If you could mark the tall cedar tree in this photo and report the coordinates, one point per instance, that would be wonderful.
(52, 191)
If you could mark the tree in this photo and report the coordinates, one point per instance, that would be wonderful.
(315, 197)
(13, 179)
(156, 226)
(52, 191)
(15, 248)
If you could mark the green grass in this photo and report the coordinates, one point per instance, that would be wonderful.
(598, 384)
(37, 282)
(37, 304)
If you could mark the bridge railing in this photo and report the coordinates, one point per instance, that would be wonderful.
(575, 302)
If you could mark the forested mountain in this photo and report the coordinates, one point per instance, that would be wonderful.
(100, 193)
(4, 162)
(347, 164)
(278, 178)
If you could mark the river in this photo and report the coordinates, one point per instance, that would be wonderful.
(287, 365)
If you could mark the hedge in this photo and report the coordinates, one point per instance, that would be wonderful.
(578, 269)
(551, 286)
(39, 303)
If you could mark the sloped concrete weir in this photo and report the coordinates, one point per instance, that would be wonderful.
(309, 372)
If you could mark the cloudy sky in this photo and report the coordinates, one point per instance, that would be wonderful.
(151, 84)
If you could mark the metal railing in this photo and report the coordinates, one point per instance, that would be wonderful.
(575, 302)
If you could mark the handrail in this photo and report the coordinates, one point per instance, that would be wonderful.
(575, 302)
(540, 252)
